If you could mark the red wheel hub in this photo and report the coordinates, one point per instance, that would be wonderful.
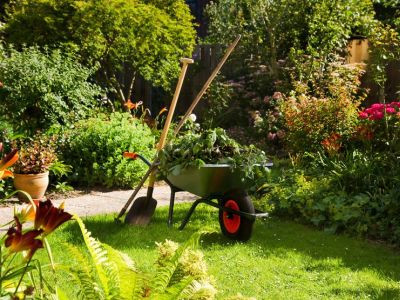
(231, 221)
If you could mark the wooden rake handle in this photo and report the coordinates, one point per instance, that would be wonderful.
(207, 84)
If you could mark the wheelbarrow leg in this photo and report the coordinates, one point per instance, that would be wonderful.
(171, 207)
(190, 212)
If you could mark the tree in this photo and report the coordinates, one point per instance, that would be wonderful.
(271, 29)
(145, 36)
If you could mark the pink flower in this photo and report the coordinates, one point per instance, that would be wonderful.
(395, 104)
(377, 115)
(277, 95)
(378, 106)
(390, 110)
(271, 136)
(363, 115)
(369, 110)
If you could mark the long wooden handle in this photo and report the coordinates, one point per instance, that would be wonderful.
(207, 84)
(185, 62)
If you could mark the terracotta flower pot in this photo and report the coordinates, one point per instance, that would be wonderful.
(33, 184)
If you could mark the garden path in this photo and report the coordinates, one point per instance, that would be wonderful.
(96, 202)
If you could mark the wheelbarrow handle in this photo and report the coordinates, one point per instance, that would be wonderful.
(133, 155)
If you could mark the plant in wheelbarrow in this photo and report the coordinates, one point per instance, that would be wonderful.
(213, 166)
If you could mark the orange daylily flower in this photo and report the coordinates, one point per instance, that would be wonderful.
(28, 212)
(130, 105)
(17, 241)
(7, 161)
(49, 217)
(131, 155)
(162, 111)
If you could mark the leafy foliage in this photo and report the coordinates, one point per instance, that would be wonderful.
(35, 156)
(209, 146)
(322, 108)
(94, 149)
(146, 37)
(385, 49)
(40, 89)
(218, 98)
(355, 192)
(318, 27)
(110, 274)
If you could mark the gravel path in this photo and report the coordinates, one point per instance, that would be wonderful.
(96, 203)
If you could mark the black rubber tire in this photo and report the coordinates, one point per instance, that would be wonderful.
(245, 226)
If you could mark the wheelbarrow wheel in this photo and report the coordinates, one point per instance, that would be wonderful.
(232, 225)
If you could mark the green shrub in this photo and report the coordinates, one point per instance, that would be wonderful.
(117, 34)
(321, 112)
(356, 193)
(40, 89)
(94, 149)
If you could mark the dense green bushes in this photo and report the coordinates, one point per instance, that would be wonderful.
(356, 193)
(138, 37)
(94, 149)
(39, 89)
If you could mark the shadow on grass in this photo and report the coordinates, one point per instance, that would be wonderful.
(271, 237)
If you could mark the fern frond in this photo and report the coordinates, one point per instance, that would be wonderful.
(126, 271)
(83, 276)
(105, 271)
(165, 273)
(177, 291)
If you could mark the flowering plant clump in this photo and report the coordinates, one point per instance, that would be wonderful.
(378, 111)
(25, 241)
(380, 124)
(35, 157)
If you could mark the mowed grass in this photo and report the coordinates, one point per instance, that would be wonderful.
(283, 260)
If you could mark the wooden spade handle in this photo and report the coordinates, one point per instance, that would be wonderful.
(185, 62)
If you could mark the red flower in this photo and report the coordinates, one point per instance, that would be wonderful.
(49, 217)
(17, 241)
(378, 105)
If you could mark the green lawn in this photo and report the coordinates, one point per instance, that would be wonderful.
(283, 260)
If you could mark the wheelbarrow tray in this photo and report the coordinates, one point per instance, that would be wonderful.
(209, 179)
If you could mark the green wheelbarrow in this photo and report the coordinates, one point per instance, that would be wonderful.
(220, 186)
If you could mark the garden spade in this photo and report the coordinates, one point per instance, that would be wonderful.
(143, 208)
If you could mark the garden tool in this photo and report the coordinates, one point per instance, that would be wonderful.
(143, 208)
(207, 84)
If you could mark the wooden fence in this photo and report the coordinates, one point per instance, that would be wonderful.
(207, 57)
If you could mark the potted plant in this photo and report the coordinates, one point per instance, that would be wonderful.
(31, 171)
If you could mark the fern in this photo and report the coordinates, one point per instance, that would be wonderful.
(165, 274)
(126, 271)
(114, 269)
(83, 276)
(99, 257)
